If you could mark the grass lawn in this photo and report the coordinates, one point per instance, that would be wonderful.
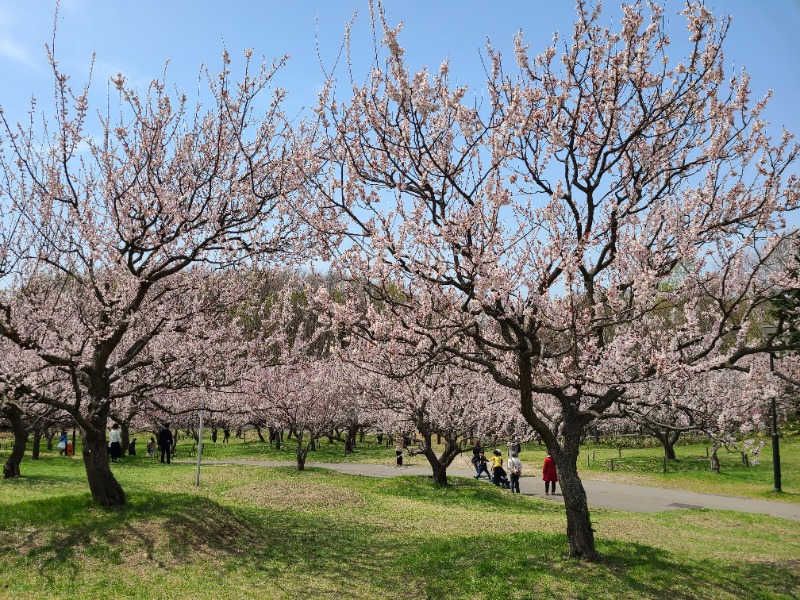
(251, 532)
(643, 466)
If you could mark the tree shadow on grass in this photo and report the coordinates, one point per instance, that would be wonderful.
(65, 535)
(535, 566)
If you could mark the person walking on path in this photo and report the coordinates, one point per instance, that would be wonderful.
(115, 436)
(165, 442)
(498, 471)
(514, 471)
(549, 475)
(482, 466)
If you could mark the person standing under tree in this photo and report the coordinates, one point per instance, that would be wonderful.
(514, 471)
(62, 443)
(114, 436)
(398, 450)
(165, 442)
(549, 474)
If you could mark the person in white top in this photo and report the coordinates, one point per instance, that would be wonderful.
(514, 471)
(114, 437)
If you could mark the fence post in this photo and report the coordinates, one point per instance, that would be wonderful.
(665, 463)
(587, 459)
(612, 464)
(594, 454)
(706, 451)
(619, 451)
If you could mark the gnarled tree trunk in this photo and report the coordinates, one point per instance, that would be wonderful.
(106, 490)
(20, 430)
(668, 439)
(580, 534)
(350, 439)
(301, 453)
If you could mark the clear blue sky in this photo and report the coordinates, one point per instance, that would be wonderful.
(137, 37)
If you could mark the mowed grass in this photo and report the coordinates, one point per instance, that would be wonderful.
(644, 466)
(691, 469)
(255, 532)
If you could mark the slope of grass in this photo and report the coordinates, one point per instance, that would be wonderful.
(251, 532)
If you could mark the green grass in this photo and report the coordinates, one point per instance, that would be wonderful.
(691, 469)
(251, 532)
(643, 466)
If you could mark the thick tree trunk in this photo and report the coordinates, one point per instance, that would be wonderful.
(439, 464)
(106, 491)
(580, 534)
(11, 466)
(667, 439)
(37, 444)
(439, 473)
(579, 526)
(669, 450)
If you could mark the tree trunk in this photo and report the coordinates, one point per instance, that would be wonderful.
(37, 444)
(106, 491)
(11, 466)
(260, 435)
(301, 453)
(125, 436)
(439, 464)
(350, 440)
(667, 439)
(580, 534)
(439, 473)
(49, 434)
(714, 460)
(579, 526)
(669, 449)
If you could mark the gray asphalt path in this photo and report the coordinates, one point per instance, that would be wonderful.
(603, 494)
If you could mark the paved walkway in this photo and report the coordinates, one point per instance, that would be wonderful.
(604, 494)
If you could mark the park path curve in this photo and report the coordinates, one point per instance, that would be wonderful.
(602, 494)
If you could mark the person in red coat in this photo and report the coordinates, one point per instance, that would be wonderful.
(549, 475)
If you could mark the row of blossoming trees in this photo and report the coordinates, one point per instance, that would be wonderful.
(594, 231)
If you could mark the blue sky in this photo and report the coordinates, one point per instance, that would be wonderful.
(137, 37)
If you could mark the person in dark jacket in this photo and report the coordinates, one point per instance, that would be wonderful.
(165, 442)
(482, 466)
